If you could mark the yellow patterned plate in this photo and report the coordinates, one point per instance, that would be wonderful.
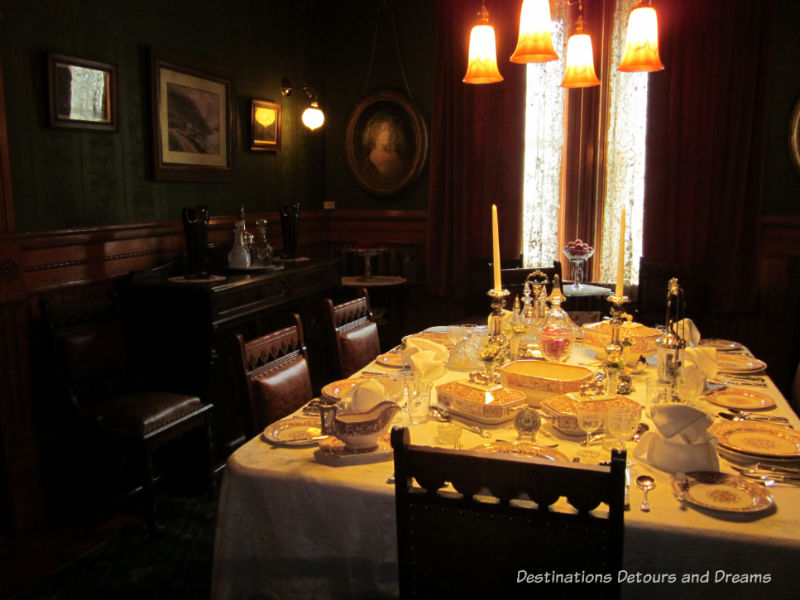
(526, 449)
(721, 345)
(721, 491)
(758, 439)
(739, 363)
(391, 359)
(294, 431)
(440, 337)
(734, 397)
(336, 390)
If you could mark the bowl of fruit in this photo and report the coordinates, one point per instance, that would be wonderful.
(578, 252)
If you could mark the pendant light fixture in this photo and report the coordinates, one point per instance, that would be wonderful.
(534, 43)
(579, 71)
(482, 62)
(641, 41)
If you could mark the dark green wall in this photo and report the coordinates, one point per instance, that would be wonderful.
(75, 179)
(782, 181)
(349, 46)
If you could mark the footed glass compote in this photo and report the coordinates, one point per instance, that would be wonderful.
(578, 252)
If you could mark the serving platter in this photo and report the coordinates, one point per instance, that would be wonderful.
(734, 397)
(333, 452)
(526, 449)
(294, 431)
(757, 439)
(739, 363)
(723, 492)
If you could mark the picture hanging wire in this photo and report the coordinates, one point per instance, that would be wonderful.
(387, 6)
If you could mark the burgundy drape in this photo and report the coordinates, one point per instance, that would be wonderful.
(705, 143)
(477, 146)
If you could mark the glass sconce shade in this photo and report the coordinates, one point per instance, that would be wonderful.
(534, 44)
(579, 71)
(641, 41)
(482, 61)
(313, 117)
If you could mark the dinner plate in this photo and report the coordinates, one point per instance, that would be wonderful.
(391, 359)
(739, 363)
(721, 345)
(734, 397)
(434, 336)
(294, 431)
(723, 492)
(336, 390)
(527, 449)
(757, 438)
(739, 458)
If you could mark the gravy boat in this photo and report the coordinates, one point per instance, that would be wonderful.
(358, 430)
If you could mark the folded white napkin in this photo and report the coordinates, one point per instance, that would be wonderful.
(427, 365)
(688, 331)
(364, 396)
(703, 358)
(414, 345)
(681, 422)
(677, 457)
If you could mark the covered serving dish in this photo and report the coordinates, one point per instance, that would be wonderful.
(539, 380)
(489, 405)
(561, 411)
(636, 339)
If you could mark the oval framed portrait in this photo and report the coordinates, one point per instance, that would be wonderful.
(794, 136)
(386, 142)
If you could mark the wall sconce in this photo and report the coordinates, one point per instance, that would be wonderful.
(312, 117)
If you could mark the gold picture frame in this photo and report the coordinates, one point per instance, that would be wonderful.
(794, 136)
(265, 125)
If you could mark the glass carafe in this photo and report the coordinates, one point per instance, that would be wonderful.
(558, 332)
(262, 251)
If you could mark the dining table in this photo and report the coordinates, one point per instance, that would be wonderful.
(292, 525)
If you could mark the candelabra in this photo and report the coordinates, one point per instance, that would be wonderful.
(615, 363)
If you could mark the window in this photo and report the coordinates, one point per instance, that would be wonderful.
(585, 151)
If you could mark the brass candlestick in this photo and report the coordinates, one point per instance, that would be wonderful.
(615, 362)
(498, 347)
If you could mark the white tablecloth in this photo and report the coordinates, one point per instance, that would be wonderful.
(290, 527)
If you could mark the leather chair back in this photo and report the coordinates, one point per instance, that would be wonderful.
(276, 374)
(353, 333)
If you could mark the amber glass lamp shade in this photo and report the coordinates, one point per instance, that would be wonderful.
(579, 71)
(313, 117)
(641, 41)
(534, 43)
(482, 62)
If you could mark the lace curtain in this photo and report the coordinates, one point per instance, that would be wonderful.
(544, 143)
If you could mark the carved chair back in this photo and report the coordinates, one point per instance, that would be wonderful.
(276, 374)
(503, 519)
(353, 333)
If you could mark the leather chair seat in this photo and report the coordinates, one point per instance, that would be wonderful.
(143, 412)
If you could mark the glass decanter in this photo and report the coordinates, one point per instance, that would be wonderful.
(558, 332)
(262, 251)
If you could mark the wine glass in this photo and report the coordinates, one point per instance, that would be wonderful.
(622, 420)
(591, 415)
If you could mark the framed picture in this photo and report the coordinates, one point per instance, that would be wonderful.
(192, 120)
(386, 142)
(83, 93)
(265, 125)
(794, 136)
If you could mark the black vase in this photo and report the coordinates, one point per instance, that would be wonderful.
(195, 230)
(290, 228)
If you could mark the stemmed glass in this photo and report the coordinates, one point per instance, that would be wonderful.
(578, 252)
(622, 420)
(591, 415)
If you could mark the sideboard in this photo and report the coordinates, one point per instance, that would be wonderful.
(182, 333)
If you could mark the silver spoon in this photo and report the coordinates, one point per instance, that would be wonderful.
(645, 483)
(441, 414)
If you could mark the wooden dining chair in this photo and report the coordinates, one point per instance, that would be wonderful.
(97, 376)
(352, 332)
(275, 374)
(482, 540)
(514, 279)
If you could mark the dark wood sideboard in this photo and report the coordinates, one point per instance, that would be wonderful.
(182, 333)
